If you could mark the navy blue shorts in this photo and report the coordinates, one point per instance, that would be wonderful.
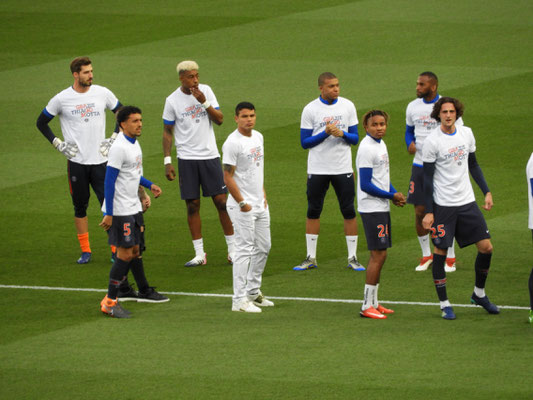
(415, 194)
(205, 173)
(317, 187)
(377, 230)
(127, 231)
(466, 223)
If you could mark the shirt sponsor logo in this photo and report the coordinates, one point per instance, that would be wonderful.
(425, 121)
(85, 111)
(335, 120)
(194, 112)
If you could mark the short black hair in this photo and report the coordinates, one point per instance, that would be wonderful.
(125, 111)
(243, 105)
(430, 75)
(459, 108)
(324, 76)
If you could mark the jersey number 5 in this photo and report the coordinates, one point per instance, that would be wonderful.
(127, 229)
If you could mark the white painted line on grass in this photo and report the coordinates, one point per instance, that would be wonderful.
(316, 299)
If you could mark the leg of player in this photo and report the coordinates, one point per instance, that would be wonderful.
(312, 229)
(450, 258)
(110, 305)
(220, 203)
(350, 230)
(439, 278)
(482, 266)
(82, 229)
(531, 296)
(373, 272)
(423, 239)
(195, 227)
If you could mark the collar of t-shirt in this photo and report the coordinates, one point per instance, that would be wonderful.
(326, 102)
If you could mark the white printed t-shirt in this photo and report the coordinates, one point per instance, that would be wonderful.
(449, 152)
(127, 158)
(418, 114)
(82, 118)
(373, 154)
(334, 155)
(194, 136)
(247, 155)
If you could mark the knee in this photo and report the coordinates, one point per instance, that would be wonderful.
(220, 203)
(80, 210)
(314, 211)
(485, 247)
(348, 212)
(193, 207)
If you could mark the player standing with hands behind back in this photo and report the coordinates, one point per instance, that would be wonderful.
(451, 209)
(374, 190)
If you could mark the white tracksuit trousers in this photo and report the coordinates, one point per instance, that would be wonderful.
(252, 245)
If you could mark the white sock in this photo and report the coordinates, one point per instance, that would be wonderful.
(311, 244)
(369, 294)
(375, 298)
(424, 245)
(479, 292)
(198, 247)
(230, 241)
(451, 250)
(351, 242)
(445, 303)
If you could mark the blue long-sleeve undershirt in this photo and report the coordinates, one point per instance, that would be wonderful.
(365, 180)
(308, 141)
(111, 175)
(409, 135)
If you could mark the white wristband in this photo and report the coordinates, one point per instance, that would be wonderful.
(206, 104)
(167, 160)
(242, 204)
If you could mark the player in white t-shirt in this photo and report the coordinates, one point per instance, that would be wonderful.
(243, 159)
(81, 110)
(374, 192)
(188, 118)
(418, 126)
(123, 217)
(451, 211)
(329, 129)
(529, 174)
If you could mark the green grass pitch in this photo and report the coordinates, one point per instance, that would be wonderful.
(57, 345)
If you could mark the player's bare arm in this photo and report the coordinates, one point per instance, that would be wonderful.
(428, 220)
(214, 115)
(146, 201)
(106, 222)
(488, 201)
(168, 135)
(156, 190)
(229, 171)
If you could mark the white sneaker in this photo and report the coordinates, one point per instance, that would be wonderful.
(260, 300)
(425, 262)
(450, 265)
(198, 260)
(245, 306)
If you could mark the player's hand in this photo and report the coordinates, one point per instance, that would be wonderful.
(246, 208)
(156, 190)
(106, 144)
(106, 222)
(146, 202)
(428, 220)
(488, 202)
(329, 128)
(399, 199)
(68, 149)
(198, 94)
(412, 148)
(169, 172)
